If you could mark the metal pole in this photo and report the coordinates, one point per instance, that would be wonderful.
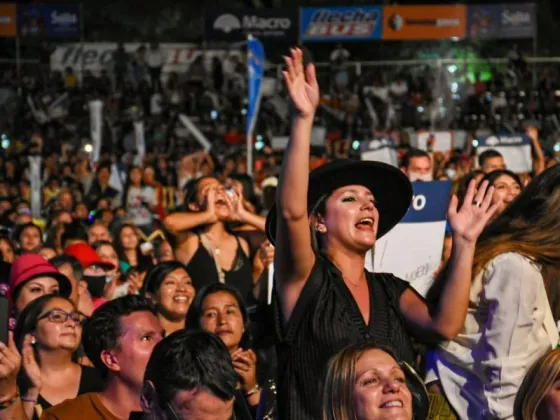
(249, 131)
(82, 44)
(18, 61)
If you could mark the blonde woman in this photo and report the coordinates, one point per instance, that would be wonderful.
(365, 381)
(538, 397)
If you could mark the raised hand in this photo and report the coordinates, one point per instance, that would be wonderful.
(10, 364)
(301, 83)
(30, 364)
(469, 222)
(245, 364)
(235, 204)
(266, 253)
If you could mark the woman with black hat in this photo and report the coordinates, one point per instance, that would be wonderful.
(325, 298)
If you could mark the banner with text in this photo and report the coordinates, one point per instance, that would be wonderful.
(424, 22)
(516, 150)
(60, 21)
(502, 21)
(419, 236)
(8, 20)
(341, 23)
(380, 150)
(98, 56)
(235, 24)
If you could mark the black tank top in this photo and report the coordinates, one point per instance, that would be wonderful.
(203, 271)
(325, 320)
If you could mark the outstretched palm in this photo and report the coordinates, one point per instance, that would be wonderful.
(301, 83)
(469, 222)
(30, 365)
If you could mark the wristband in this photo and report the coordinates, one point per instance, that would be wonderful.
(29, 400)
(253, 391)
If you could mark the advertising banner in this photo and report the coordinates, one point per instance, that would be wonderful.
(516, 150)
(341, 23)
(98, 56)
(419, 235)
(8, 20)
(60, 21)
(424, 22)
(502, 21)
(235, 24)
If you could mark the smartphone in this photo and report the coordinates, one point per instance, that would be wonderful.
(146, 248)
(4, 319)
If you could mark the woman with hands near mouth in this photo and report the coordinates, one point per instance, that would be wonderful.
(219, 309)
(205, 244)
(323, 226)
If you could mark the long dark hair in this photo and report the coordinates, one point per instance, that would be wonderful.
(195, 311)
(127, 183)
(157, 275)
(144, 261)
(494, 175)
(26, 324)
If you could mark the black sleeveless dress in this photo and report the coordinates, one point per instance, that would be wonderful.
(203, 271)
(325, 320)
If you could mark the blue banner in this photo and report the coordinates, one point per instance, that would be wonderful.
(503, 141)
(62, 21)
(501, 21)
(256, 72)
(429, 203)
(341, 23)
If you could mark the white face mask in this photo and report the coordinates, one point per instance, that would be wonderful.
(451, 173)
(415, 176)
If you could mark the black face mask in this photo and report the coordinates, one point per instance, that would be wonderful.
(96, 285)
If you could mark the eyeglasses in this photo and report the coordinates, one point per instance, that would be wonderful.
(59, 317)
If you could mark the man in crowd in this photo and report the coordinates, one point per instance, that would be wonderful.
(189, 376)
(491, 160)
(72, 268)
(417, 166)
(118, 339)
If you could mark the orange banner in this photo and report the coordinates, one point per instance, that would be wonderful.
(424, 22)
(8, 27)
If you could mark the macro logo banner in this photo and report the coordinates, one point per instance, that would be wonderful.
(341, 23)
(424, 22)
(60, 21)
(236, 24)
(502, 21)
(8, 20)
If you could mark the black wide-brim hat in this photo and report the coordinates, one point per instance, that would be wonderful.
(390, 187)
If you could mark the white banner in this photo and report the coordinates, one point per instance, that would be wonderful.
(516, 150)
(35, 184)
(197, 134)
(380, 150)
(96, 127)
(140, 141)
(419, 236)
(442, 140)
(98, 56)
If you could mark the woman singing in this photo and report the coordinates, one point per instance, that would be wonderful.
(323, 227)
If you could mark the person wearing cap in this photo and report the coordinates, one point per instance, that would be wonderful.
(32, 276)
(95, 270)
(322, 228)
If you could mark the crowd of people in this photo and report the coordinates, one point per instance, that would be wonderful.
(139, 286)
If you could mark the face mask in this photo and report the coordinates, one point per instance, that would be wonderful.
(96, 285)
(451, 173)
(415, 176)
